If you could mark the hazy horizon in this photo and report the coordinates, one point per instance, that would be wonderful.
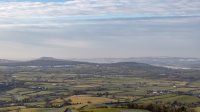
(69, 29)
(95, 58)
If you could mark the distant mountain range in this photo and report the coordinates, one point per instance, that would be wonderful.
(168, 62)
(43, 61)
(6, 61)
(139, 67)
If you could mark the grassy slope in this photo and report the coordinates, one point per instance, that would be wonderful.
(39, 110)
(171, 98)
(198, 109)
(115, 110)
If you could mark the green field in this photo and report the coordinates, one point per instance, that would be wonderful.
(47, 92)
(114, 110)
(172, 98)
(198, 109)
(38, 110)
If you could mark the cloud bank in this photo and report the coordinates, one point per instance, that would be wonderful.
(99, 28)
(78, 9)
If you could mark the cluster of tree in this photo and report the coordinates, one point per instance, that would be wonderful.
(50, 104)
(106, 94)
(162, 107)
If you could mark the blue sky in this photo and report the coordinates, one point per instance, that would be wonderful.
(98, 28)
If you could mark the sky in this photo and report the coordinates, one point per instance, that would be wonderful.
(99, 28)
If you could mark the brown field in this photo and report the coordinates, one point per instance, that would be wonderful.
(84, 99)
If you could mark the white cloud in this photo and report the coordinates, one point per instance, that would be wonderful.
(54, 13)
(98, 7)
(60, 28)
